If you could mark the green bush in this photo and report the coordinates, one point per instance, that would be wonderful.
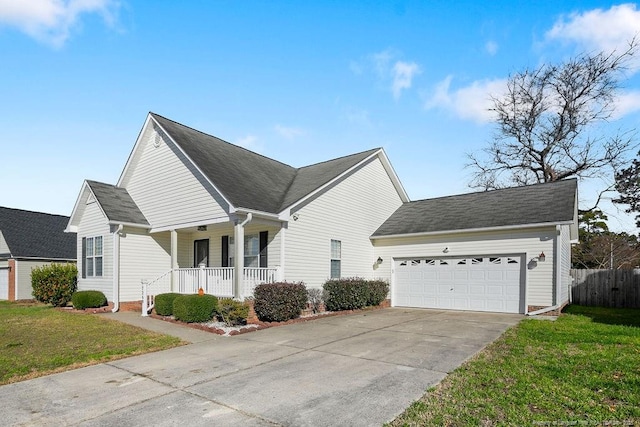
(378, 291)
(353, 293)
(233, 312)
(195, 308)
(88, 299)
(163, 303)
(278, 302)
(54, 284)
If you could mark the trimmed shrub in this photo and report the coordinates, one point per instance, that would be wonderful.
(354, 293)
(194, 308)
(314, 296)
(279, 302)
(54, 284)
(88, 299)
(233, 312)
(378, 291)
(163, 303)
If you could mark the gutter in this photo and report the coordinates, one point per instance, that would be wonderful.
(116, 268)
(470, 230)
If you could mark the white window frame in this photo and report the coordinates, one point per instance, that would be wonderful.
(336, 259)
(94, 256)
(251, 250)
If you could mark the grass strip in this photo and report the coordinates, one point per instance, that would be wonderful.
(582, 369)
(37, 340)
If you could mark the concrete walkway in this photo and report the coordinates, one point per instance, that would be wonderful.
(185, 333)
(357, 370)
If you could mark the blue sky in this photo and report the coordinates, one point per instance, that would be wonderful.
(301, 82)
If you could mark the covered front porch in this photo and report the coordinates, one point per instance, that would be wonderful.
(217, 281)
(207, 257)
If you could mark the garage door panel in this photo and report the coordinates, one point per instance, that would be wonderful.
(483, 283)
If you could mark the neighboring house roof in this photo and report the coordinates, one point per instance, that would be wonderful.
(36, 235)
(551, 203)
(249, 180)
(117, 204)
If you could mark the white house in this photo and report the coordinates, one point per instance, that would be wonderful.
(185, 198)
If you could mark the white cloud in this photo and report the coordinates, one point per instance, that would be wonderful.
(471, 102)
(491, 47)
(288, 132)
(598, 29)
(393, 73)
(403, 73)
(51, 21)
(627, 103)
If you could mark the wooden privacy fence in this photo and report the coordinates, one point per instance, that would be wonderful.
(606, 288)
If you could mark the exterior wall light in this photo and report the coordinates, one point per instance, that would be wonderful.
(202, 228)
(541, 257)
(379, 261)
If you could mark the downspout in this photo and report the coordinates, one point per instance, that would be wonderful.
(239, 256)
(116, 269)
(558, 259)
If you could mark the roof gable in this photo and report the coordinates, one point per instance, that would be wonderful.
(117, 204)
(246, 179)
(249, 180)
(551, 203)
(36, 235)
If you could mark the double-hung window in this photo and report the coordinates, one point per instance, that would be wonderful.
(336, 258)
(255, 250)
(92, 256)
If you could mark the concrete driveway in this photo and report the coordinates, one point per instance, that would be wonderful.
(357, 370)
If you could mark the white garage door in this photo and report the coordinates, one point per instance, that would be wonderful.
(4, 283)
(481, 283)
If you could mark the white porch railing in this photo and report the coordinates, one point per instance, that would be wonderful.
(216, 281)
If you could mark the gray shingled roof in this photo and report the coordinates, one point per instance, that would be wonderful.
(250, 180)
(37, 235)
(117, 204)
(534, 204)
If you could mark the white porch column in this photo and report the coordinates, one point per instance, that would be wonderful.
(283, 229)
(238, 259)
(174, 260)
(238, 256)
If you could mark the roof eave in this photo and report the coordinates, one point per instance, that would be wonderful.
(472, 230)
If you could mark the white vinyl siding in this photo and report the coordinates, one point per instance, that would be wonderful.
(565, 263)
(94, 223)
(24, 288)
(531, 242)
(349, 211)
(166, 187)
(143, 256)
(4, 249)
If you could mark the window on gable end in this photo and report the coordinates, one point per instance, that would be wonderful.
(336, 258)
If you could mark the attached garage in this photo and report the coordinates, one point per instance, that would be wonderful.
(479, 283)
(505, 250)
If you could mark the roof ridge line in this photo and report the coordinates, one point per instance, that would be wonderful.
(220, 139)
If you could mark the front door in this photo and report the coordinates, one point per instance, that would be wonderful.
(201, 252)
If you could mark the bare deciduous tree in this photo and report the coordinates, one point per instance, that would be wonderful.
(549, 124)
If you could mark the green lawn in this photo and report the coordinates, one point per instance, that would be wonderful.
(36, 340)
(583, 369)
